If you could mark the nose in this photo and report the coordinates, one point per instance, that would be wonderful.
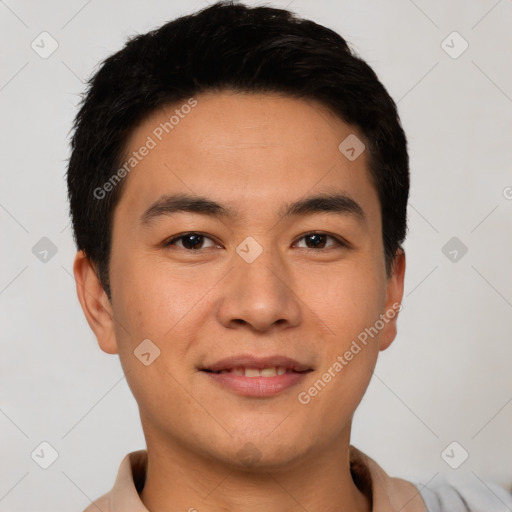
(259, 295)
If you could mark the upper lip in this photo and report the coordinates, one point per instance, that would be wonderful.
(258, 363)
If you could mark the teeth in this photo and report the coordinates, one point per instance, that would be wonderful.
(253, 372)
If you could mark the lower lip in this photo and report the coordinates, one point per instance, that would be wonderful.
(258, 387)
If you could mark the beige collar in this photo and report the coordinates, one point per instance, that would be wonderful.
(388, 494)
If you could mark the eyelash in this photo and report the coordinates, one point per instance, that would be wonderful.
(339, 241)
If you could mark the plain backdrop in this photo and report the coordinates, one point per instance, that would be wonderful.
(446, 378)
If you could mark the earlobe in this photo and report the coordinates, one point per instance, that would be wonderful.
(95, 303)
(394, 294)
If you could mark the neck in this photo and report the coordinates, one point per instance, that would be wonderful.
(179, 479)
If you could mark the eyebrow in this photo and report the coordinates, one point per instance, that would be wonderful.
(338, 203)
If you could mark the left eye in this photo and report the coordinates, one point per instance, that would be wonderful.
(320, 241)
(193, 241)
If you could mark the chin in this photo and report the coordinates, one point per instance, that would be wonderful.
(265, 454)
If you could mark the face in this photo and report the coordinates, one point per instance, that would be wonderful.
(248, 249)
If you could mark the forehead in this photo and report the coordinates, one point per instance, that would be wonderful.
(244, 148)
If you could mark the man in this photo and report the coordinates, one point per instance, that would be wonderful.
(238, 186)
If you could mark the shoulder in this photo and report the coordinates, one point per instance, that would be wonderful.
(124, 495)
(467, 494)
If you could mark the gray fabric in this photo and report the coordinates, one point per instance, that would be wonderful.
(467, 495)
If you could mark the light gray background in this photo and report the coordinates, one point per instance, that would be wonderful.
(447, 377)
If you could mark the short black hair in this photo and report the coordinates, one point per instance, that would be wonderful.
(228, 46)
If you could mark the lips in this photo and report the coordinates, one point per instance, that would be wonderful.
(254, 372)
(256, 377)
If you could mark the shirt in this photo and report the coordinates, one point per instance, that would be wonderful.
(387, 494)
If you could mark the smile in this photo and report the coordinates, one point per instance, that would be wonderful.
(254, 372)
(255, 377)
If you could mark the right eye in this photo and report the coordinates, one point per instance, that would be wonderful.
(190, 241)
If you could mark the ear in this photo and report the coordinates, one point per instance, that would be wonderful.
(95, 303)
(394, 294)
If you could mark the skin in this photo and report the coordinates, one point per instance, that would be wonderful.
(255, 153)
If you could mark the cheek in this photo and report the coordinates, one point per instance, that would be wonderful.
(149, 307)
(149, 297)
(167, 307)
(338, 394)
(349, 358)
(348, 308)
(345, 300)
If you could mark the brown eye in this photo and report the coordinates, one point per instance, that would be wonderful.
(190, 241)
(320, 241)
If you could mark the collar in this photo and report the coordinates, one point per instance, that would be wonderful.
(387, 494)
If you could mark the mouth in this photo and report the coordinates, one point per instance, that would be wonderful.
(257, 377)
(271, 371)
